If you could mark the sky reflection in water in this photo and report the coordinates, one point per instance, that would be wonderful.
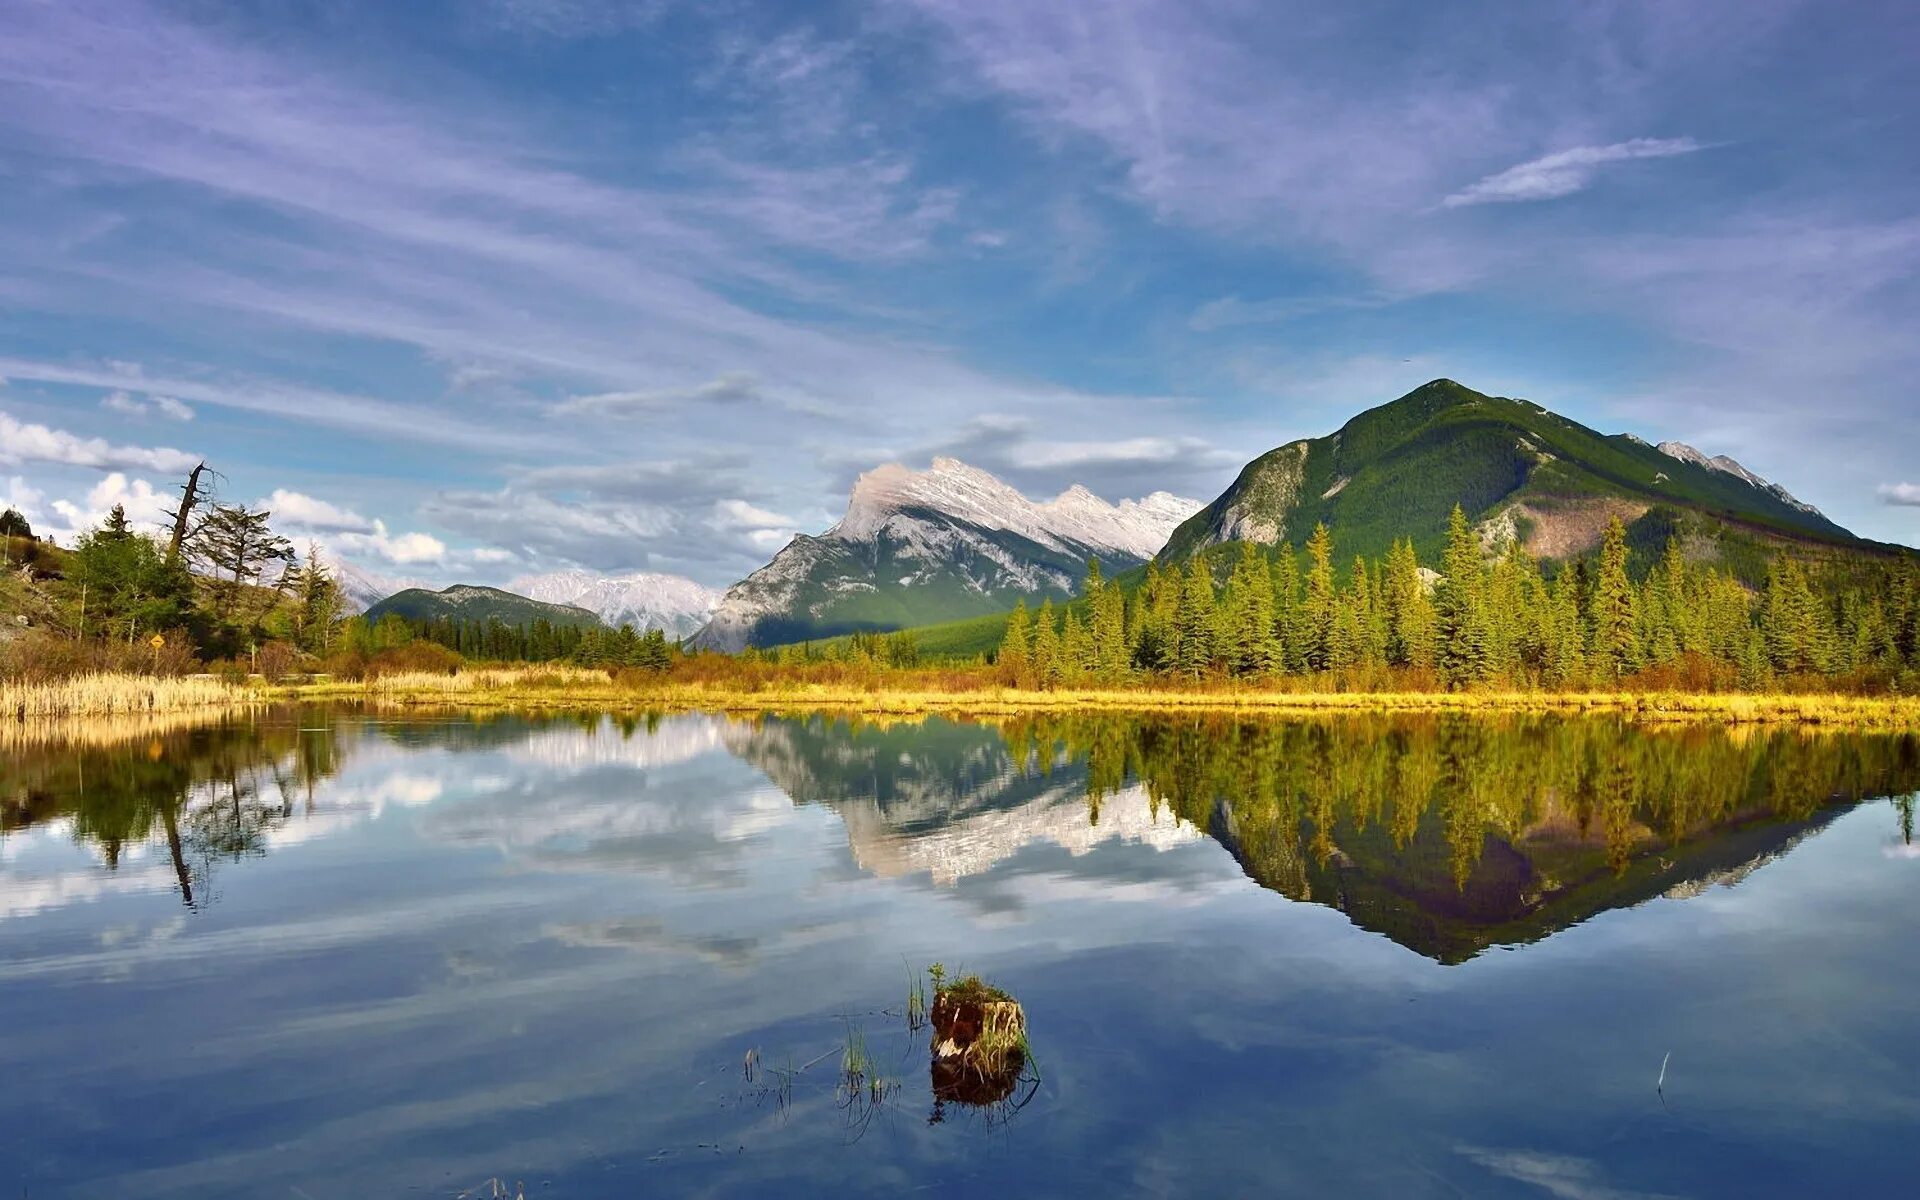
(1408, 958)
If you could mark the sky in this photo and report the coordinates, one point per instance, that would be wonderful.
(463, 290)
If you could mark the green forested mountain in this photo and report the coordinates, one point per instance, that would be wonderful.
(1517, 469)
(469, 603)
(1527, 480)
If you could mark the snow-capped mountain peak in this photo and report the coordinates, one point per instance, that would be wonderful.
(1074, 518)
(947, 542)
(1727, 466)
(643, 599)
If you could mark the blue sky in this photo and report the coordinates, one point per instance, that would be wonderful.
(471, 289)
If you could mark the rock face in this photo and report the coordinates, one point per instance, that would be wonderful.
(1727, 466)
(917, 547)
(1520, 472)
(645, 600)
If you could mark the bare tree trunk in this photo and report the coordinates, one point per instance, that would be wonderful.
(190, 497)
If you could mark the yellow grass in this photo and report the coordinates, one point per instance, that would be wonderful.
(572, 687)
(115, 695)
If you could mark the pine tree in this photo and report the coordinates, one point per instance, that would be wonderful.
(1286, 610)
(1076, 647)
(1252, 647)
(1046, 647)
(1460, 606)
(1016, 647)
(1320, 608)
(1615, 646)
(1565, 654)
(1410, 615)
(1193, 620)
(1112, 653)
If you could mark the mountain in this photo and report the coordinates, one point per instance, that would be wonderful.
(935, 545)
(642, 599)
(1518, 469)
(467, 602)
(362, 589)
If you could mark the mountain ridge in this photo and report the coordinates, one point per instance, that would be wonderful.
(1517, 468)
(674, 604)
(477, 603)
(951, 541)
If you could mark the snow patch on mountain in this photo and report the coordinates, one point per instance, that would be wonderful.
(1074, 518)
(645, 600)
(953, 528)
(1727, 466)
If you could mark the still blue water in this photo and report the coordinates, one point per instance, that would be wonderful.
(327, 953)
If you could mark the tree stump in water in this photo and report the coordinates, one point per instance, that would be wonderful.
(979, 1043)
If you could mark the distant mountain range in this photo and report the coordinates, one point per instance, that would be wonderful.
(952, 545)
(642, 599)
(949, 542)
(468, 602)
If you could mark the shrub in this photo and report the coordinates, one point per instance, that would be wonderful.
(350, 665)
(415, 657)
(276, 660)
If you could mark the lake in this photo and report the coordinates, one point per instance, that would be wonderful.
(332, 952)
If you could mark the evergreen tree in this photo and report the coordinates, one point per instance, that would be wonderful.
(1286, 610)
(126, 589)
(1564, 652)
(1615, 644)
(1076, 647)
(1016, 647)
(1112, 653)
(1252, 646)
(1410, 616)
(1320, 608)
(1193, 620)
(1460, 606)
(238, 547)
(1046, 647)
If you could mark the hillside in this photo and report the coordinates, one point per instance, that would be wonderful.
(468, 602)
(1518, 469)
(942, 544)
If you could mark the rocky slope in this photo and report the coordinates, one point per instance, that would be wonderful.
(643, 599)
(917, 547)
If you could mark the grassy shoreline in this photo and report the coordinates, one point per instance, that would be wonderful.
(564, 688)
(573, 689)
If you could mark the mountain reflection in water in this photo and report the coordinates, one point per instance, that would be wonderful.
(1448, 835)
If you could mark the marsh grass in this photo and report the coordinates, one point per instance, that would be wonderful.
(909, 694)
(117, 694)
(916, 1004)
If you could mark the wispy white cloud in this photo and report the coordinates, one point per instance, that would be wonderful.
(1901, 493)
(733, 388)
(125, 403)
(1564, 172)
(297, 510)
(22, 442)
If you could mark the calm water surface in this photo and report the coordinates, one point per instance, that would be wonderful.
(326, 953)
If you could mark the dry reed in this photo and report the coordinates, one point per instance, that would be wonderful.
(115, 695)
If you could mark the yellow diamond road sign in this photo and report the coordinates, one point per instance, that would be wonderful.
(158, 641)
